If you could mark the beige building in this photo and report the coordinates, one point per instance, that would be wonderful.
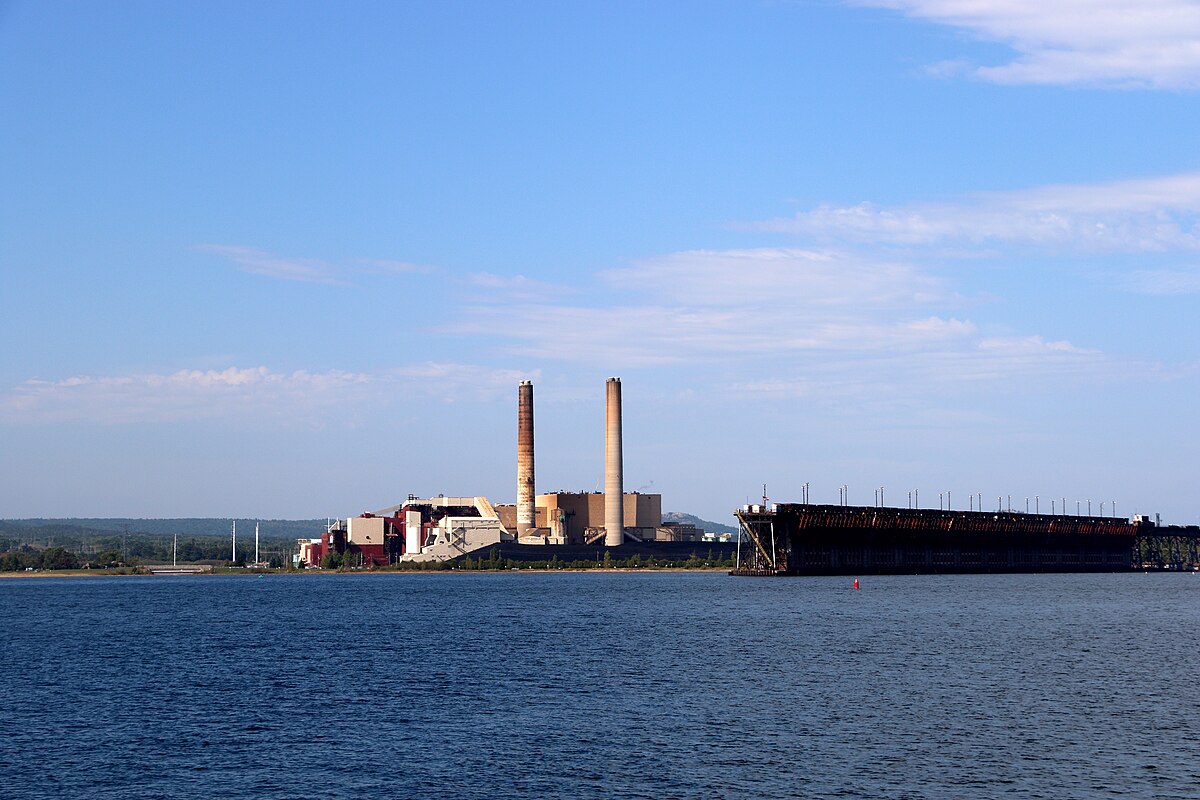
(578, 517)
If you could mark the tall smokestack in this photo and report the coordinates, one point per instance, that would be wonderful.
(614, 492)
(526, 514)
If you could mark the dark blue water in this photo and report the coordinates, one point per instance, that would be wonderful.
(600, 685)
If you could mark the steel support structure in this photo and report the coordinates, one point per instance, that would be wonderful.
(766, 553)
(1169, 547)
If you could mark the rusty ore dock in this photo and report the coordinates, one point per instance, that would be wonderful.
(804, 539)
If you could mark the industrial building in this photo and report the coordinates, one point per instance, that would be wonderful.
(580, 518)
(435, 529)
(443, 528)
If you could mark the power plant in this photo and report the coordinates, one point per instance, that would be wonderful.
(776, 538)
(442, 528)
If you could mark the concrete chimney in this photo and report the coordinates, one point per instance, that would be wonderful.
(526, 513)
(614, 491)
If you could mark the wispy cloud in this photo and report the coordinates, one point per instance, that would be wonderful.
(260, 262)
(309, 270)
(274, 398)
(1115, 43)
(1145, 215)
(703, 304)
(755, 276)
(798, 315)
(1163, 282)
(516, 287)
(453, 382)
(393, 266)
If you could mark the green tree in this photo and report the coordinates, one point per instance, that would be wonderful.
(58, 558)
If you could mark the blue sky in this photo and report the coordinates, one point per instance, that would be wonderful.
(292, 259)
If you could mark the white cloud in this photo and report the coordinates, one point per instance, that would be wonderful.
(1024, 345)
(307, 270)
(1146, 215)
(693, 305)
(450, 381)
(273, 398)
(515, 287)
(1163, 282)
(751, 277)
(393, 266)
(797, 316)
(260, 262)
(1118, 43)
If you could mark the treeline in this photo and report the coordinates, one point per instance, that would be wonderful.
(24, 557)
(38, 548)
(28, 558)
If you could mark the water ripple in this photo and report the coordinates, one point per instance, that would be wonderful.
(600, 685)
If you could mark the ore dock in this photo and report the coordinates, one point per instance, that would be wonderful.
(804, 539)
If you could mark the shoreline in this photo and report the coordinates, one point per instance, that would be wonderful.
(83, 573)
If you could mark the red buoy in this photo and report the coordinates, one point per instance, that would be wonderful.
(856, 583)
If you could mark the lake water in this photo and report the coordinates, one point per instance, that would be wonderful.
(601, 685)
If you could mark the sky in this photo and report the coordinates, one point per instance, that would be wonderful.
(291, 259)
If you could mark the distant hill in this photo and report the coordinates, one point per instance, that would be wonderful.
(702, 524)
